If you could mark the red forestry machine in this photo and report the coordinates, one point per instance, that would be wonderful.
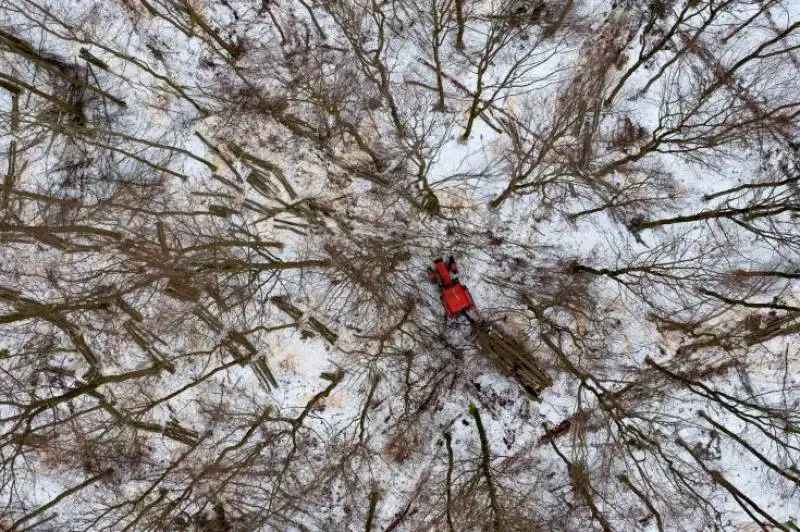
(507, 353)
(455, 297)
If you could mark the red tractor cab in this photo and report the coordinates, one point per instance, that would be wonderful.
(456, 298)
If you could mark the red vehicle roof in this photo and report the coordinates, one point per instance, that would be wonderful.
(456, 298)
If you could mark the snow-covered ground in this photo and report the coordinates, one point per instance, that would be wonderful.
(606, 174)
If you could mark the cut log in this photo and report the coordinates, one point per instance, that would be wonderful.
(511, 357)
